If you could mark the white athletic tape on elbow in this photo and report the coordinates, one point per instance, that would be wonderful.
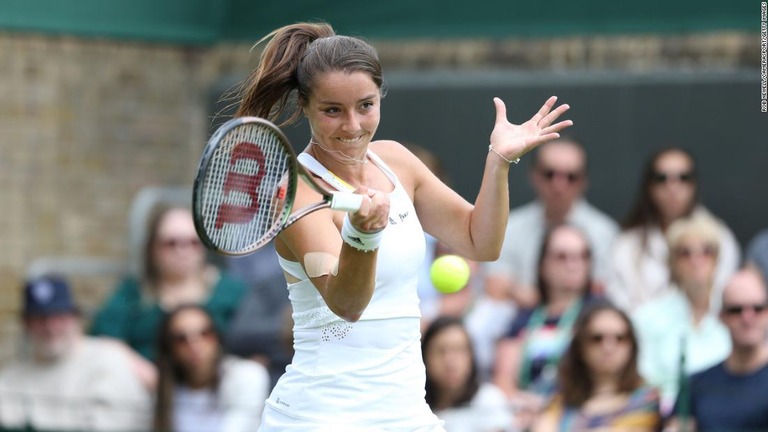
(359, 240)
(318, 264)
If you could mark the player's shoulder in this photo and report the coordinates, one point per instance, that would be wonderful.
(391, 151)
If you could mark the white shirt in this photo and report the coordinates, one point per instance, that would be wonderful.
(236, 408)
(526, 227)
(367, 375)
(488, 411)
(637, 277)
(90, 389)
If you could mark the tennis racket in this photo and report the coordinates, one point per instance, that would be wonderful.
(246, 185)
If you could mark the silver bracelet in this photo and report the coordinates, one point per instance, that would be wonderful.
(491, 149)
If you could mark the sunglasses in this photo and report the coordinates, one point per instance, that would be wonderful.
(186, 338)
(550, 174)
(599, 338)
(709, 251)
(563, 257)
(174, 243)
(662, 177)
(735, 310)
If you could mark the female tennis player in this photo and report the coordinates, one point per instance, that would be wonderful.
(352, 276)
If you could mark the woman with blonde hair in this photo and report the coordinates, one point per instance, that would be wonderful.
(680, 332)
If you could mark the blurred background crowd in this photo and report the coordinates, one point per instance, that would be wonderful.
(630, 293)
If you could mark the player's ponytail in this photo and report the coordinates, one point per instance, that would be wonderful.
(267, 90)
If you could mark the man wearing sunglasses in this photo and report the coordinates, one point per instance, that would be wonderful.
(733, 395)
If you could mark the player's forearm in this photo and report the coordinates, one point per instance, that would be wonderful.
(348, 292)
(488, 220)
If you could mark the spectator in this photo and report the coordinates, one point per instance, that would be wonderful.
(64, 380)
(453, 386)
(201, 389)
(680, 330)
(527, 356)
(732, 396)
(599, 385)
(261, 328)
(175, 273)
(668, 191)
(559, 177)
(757, 252)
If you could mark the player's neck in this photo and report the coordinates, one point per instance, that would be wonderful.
(337, 158)
(340, 166)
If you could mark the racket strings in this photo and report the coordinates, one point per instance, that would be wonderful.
(244, 200)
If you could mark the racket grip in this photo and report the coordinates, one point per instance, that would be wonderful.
(349, 202)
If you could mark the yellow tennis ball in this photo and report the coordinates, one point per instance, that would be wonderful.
(449, 273)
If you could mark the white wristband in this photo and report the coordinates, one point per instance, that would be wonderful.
(359, 240)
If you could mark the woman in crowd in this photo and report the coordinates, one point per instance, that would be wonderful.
(175, 272)
(527, 357)
(599, 387)
(680, 330)
(669, 190)
(199, 388)
(453, 387)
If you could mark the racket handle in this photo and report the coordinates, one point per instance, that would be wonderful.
(349, 202)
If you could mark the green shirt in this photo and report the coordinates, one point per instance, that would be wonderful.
(136, 319)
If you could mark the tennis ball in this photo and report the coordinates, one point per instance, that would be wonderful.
(449, 273)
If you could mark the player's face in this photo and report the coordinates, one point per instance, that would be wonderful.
(343, 111)
(673, 185)
(567, 261)
(607, 346)
(449, 358)
(559, 177)
(694, 261)
(195, 346)
(177, 249)
(745, 311)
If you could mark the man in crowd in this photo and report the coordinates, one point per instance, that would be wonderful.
(64, 380)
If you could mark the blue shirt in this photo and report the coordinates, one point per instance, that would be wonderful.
(723, 401)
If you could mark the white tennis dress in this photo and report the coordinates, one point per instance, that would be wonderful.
(363, 376)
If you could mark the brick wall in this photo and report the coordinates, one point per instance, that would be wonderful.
(86, 124)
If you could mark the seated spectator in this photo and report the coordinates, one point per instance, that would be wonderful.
(64, 380)
(453, 387)
(200, 388)
(733, 395)
(558, 175)
(680, 330)
(757, 253)
(261, 328)
(175, 273)
(599, 387)
(527, 356)
(668, 191)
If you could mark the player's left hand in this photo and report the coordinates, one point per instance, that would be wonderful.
(513, 141)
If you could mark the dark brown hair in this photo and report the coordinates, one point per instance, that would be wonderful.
(170, 373)
(293, 57)
(644, 212)
(575, 379)
(472, 384)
